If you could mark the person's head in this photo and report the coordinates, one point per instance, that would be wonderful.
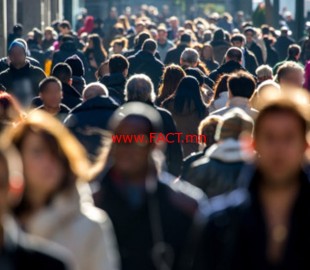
(10, 111)
(139, 26)
(113, 13)
(63, 72)
(139, 40)
(53, 159)
(264, 73)
(150, 46)
(162, 33)
(293, 52)
(118, 64)
(76, 65)
(103, 70)
(50, 92)
(189, 58)
(234, 124)
(249, 33)
(219, 35)
(64, 28)
(207, 128)
(171, 79)
(119, 45)
(238, 40)
(290, 74)
(93, 90)
(18, 30)
(280, 141)
(139, 87)
(234, 54)
(197, 74)
(221, 86)
(207, 52)
(134, 160)
(241, 84)
(186, 39)
(174, 22)
(188, 94)
(48, 33)
(284, 31)
(17, 54)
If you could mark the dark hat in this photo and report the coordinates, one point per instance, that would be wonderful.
(76, 65)
(186, 38)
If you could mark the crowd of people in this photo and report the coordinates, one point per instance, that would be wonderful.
(73, 198)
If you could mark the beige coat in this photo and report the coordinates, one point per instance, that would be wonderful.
(73, 222)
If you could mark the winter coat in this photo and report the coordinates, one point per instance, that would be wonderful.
(23, 83)
(257, 51)
(220, 48)
(4, 63)
(22, 251)
(237, 102)
(227, 68)
(88, 120)
(219, 103)
(164, 48)
(218, 170)
(251, 63)
(78, 83)
(71, 97)
(174, 54)
(115, 83)
(167, 206)
(72, 221)
(282, 45)
(148, 64)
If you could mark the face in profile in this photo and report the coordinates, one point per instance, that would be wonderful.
(43, 170)
(280, 144)
(131, 158)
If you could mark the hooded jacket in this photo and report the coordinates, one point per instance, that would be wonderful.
(146, 63)
(115, 83)
(71, 97)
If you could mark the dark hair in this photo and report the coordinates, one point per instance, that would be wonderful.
(98, 50)
(118, 63)
(17, 28)
(220, 86)
(171, 79)
(149, 45)
(139, 40)
(188, 92)
(238, 38)
(65, 24)
(281, 107)
(241, 84)
(219, 35)
(265, 29)
(46, 81)
(293, 50)
(63, 72)
(234, 54)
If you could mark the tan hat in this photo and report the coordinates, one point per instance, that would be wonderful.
(233, 124)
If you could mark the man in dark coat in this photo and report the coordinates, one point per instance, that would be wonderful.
(282, 43)
(71, 97)
(174, 54)
(152, 217)
(266, 224)
(249, 33)
(68, 48)
(18, 250)
(140, 88)
(233, 62)
(146, 63)
(21, 79)
(116, 80)
(89, 120)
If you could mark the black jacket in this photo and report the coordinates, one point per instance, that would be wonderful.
(88, 119)
(257, 50)
(71, 97)
(235, 237)
(251, 63)
(21, 251)
(226, 68)
(146, 63)
(4, 63)
(66, 50)
(282, 45)
(135, 225)
(116, 85)
(174, 54)
(23, 83)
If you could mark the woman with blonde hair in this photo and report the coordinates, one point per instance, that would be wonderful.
(56, 204)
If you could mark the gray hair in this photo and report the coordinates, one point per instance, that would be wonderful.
(190, 56)
(139, 87)
(94, 90)
(264, 71)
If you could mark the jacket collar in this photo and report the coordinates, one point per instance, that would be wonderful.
(239, 102)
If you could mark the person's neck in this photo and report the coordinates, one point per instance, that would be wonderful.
(162, 41)
(52, 110)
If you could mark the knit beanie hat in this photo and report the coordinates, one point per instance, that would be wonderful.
(76, 65)
(19, 44)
